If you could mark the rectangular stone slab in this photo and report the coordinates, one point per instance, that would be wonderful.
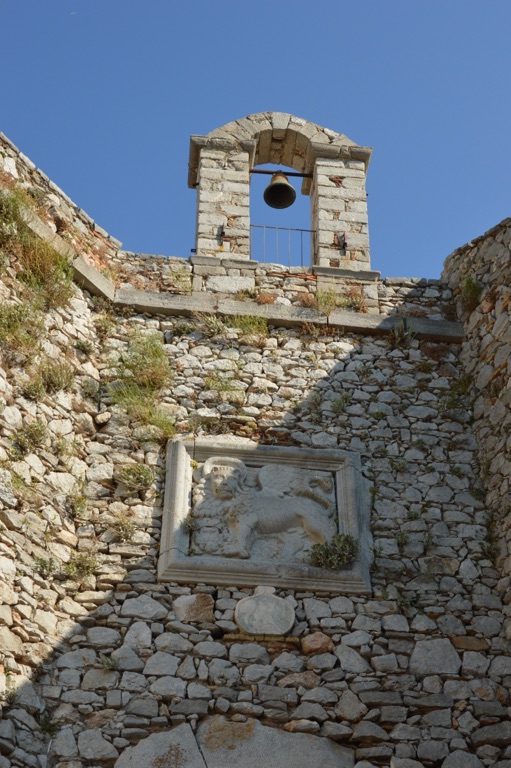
(178, 562)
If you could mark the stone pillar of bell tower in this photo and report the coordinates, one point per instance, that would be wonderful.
(339, 207)
(222, 180)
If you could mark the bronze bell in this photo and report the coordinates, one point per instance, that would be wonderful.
(279, 193)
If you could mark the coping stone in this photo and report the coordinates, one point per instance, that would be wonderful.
(164, 303)
(351, 274)
(92, 280)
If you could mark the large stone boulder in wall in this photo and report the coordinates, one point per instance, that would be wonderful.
(252, 745)
(220, 743)
(173, 749)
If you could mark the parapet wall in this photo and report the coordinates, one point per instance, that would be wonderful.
(100, 659)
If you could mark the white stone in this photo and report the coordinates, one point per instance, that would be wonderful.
(76, 659)
(46, 621)
(103, 636)
(350, 660)
(249, 745)
(7, 569)
(92, 746)
(11, 415)
(169, 687)
(161, 663)
(100, 473)
(197, 607)
(264, 613)
(434, 657)
(176, 747)
(144, 607)
(62, 481)
(229, 284)
(139, 635)
(461, 759)
(64, 743)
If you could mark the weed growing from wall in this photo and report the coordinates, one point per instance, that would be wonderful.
(21, 327)
(250, 326)
(123, 526)
(46, 273)
(136, 477)
(470, 292)
(143, 372)
(80, 565)
(145, 362)
(335, 554)
(28, 438)
(49, 377)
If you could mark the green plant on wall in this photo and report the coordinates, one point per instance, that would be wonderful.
(48, 377)
(250, 326)
(143, 372)
(401, 334)
(470, 292)
(46, 273)
(340, 551)
(326, 301)
(136, 477)
(28, 438)
(123, 526)
(145, 362)
(80, 565)
(21, 327)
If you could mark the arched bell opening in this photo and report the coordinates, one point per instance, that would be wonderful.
(223, 161)
(280, 234)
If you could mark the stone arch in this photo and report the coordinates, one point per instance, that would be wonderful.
(281, 138)
(219, 167)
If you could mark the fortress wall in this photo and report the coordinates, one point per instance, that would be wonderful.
(97, 655)
(479, 273)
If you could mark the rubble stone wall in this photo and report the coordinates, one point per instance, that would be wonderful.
(479, 274)
(96, 656)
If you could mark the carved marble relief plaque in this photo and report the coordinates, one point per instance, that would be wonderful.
(242, 514)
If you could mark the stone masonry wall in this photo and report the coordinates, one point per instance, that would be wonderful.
(416, 671)
(96, 656)
(479, 274)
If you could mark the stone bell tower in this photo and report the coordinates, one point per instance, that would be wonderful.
(333, 168)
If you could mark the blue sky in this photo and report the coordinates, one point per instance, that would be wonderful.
(104, 94)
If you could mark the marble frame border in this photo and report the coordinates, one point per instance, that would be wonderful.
(175, 564)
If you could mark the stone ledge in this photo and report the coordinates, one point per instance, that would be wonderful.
(228, 262)
(275, 314)
(164, 303)
(92, 280)
(438, 330)
(352, 274)
(47, 234)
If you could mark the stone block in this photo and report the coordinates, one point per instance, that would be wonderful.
(248, 744)
(229, 284)
(434, 657)
(175, 747)
(220, 560)
(92, 280)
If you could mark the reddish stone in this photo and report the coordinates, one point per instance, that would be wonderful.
(318, 642)
(470, 643)
(197, 607)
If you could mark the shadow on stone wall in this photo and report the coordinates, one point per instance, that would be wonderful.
(416, 672)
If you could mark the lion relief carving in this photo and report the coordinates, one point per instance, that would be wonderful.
(257, 512)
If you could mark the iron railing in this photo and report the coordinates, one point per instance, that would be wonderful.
(281, 245)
